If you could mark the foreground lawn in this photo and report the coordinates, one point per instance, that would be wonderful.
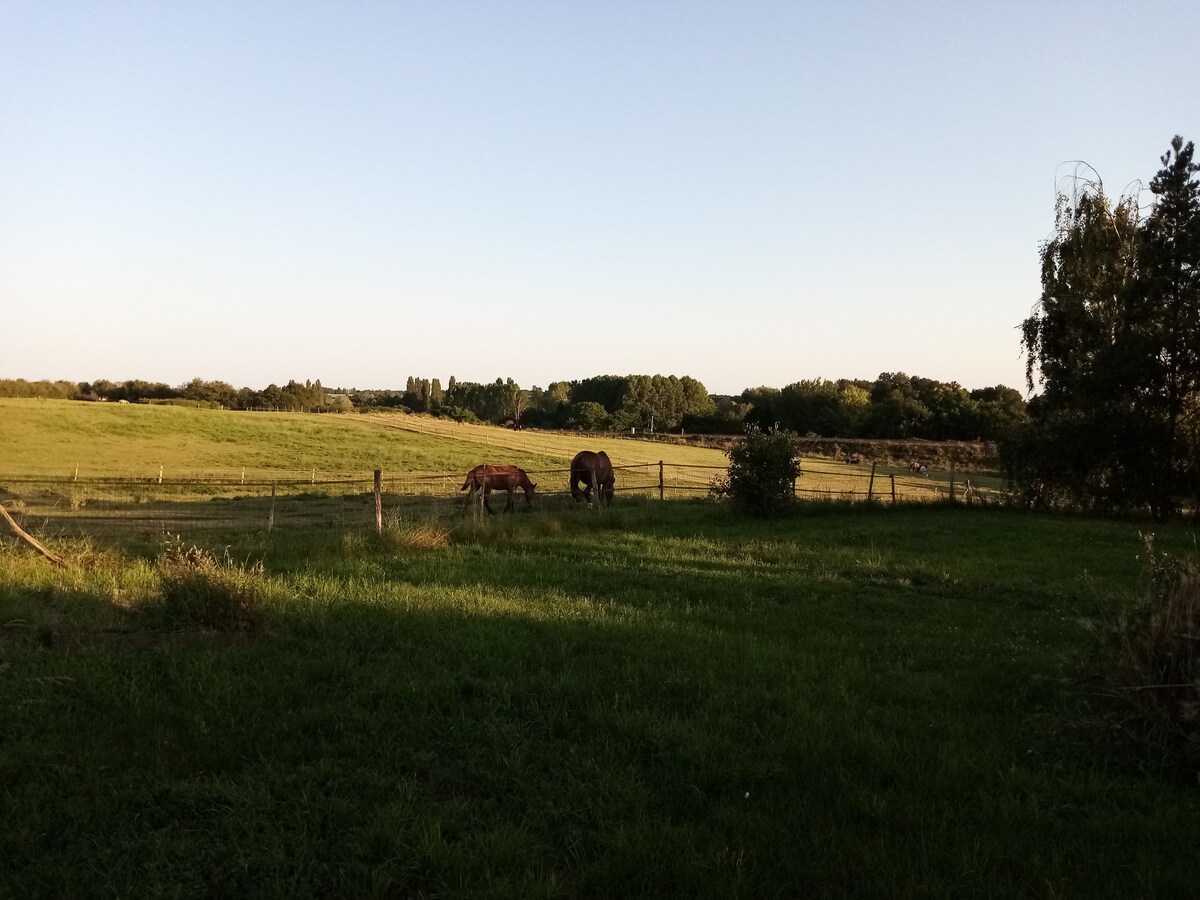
(660, 701)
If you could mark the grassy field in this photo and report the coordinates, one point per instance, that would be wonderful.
(660, 701)
(53, 438)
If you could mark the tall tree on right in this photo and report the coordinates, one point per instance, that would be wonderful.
(1113, 345)
(1170, 279)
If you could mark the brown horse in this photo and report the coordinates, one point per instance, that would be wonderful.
(498, 478)
(591, 468)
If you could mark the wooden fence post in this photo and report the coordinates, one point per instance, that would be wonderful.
(893, 477)
(662, 484)
(271, 514)
(379, 500)
(952, 483)
(871, 484)
(160, 470)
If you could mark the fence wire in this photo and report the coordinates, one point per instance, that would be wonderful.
(70, 505)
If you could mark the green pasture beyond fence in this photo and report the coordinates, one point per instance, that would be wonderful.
(180, 504)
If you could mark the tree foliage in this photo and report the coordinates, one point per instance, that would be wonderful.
(1114, 344)
(763, 468)
(893, 406)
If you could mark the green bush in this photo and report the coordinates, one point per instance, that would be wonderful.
(1148, 658)
(762, 472)
(458, 414)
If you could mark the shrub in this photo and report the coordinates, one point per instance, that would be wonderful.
(458, 414)
(763, 469)
(1148, 657)
(200, 591)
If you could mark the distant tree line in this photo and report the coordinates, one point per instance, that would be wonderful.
(894, 405)
(309, 395)
(51, 390)
(602, 403)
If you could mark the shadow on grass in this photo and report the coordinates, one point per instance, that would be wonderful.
(551, 717)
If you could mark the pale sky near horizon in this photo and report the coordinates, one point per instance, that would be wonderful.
(748, 193)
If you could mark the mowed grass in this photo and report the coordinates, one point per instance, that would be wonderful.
(659, 701)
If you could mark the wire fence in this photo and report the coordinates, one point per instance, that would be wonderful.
(207, 501)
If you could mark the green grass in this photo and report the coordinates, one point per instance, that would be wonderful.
(57, 438)
(658, 701)
(53, 437)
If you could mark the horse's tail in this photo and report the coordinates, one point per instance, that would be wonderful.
(466, 484)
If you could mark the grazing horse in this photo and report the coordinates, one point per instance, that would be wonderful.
(498, 478)
(591, 468)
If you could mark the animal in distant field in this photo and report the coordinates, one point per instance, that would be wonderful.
(913, 467)
(485, 479)
(588, 468)
(923, 470)
(855, 460)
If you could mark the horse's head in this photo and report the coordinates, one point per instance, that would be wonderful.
(529, 487)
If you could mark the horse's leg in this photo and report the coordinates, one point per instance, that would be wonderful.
(508, 506)
(487, 493)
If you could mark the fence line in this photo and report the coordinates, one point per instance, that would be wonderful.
(150, 504)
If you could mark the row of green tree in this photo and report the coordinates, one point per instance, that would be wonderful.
(894, 405)
(1115, 346)
(606, 402)
(294, 395)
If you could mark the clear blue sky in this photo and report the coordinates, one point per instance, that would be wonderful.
(749, 193)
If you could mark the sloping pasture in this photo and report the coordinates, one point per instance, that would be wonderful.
(65, 439)
(114, 468)
(132, 440)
